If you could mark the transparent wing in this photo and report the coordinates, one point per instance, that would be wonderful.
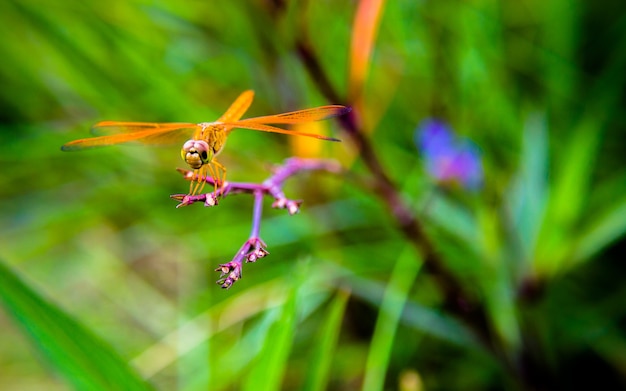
(300, 116)
(293, 117)
(123, 132)
(272, 129)
(238, 108)
(108, 128)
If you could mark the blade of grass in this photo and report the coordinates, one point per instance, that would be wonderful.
(83, 359)
(392, 306)
(317, 376)
(568, 196)
(607, 227)
(421, 318)
(269, 367)
(527, 197)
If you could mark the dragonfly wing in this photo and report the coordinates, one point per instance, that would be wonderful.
(238, 108)
(272, 129)
(124, 132)
(109, 128)
(300, 116)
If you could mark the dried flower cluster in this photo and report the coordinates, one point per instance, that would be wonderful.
(255, 248)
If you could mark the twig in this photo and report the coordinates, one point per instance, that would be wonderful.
(255, 248)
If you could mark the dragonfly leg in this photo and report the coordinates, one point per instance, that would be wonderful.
(198, 181)
(223, 171)
(218, 173)
(213, 169)
(219, 176)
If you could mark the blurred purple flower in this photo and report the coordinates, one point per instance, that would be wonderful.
(448, 158)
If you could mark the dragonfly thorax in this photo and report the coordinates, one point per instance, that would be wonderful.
(196, 153)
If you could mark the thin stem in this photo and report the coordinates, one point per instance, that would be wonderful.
(257, 211)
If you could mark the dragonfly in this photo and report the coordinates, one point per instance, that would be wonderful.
(207, 138)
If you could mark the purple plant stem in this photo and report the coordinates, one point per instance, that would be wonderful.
(254, 248)
(232, 271)
(256, 214)
(272, 186)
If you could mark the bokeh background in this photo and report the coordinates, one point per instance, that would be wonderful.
(106, 285)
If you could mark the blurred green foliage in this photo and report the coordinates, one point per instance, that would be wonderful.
(104, 281)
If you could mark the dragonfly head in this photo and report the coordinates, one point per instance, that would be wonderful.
(196, 153)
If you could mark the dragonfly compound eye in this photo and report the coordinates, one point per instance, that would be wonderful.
(195, 153)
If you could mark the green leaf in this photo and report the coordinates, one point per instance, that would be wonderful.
(527, 198)
(424, 319)
(606, 228)
(404, 273)
(453, 218)
(271, 363)
(83, 359)
(568, 197)
(317, 376)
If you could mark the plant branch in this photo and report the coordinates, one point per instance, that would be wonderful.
(255, 248)
(457, 299)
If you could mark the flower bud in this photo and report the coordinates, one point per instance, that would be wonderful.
(211, 200)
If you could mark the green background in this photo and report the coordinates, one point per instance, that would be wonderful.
(105, 285)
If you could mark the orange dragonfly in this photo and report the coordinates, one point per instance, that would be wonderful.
(208, 138)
